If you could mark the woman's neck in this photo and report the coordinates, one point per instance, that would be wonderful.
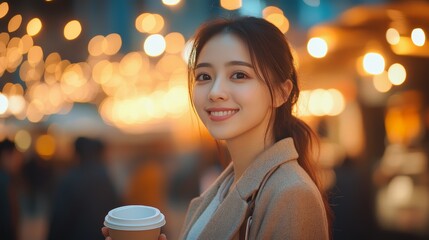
(243, 153)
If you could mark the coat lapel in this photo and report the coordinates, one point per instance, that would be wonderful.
(199, 204)
(226, 221)
(281, 152)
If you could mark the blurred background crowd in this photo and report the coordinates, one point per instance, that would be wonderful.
(94, 111)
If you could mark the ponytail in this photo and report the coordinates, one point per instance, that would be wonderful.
(304, 139)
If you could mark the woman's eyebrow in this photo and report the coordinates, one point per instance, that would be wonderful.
(230, 63)
(240, 63)
(199, 65)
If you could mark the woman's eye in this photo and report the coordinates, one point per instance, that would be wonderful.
(239, 75)
(203, 77)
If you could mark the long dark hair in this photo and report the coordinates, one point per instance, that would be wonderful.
(273, 62)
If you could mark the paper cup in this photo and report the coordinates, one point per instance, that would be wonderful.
(134, 222)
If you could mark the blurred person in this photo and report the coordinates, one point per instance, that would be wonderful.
(10, 166)
(38, 174)
(84, 196)
(243, 85)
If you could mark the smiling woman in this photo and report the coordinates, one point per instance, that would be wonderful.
(243, 85)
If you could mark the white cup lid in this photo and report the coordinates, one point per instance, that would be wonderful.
(134, 218)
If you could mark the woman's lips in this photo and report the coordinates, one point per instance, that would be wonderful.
(221, 114)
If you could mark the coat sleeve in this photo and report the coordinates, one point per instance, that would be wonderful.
(295, 212)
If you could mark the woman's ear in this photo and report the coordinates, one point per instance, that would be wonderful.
(282, 96)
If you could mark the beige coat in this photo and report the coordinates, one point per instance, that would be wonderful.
(287, 206)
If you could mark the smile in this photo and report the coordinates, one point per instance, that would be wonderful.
(221, 114)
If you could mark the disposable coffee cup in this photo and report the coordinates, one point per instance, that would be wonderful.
(134, 222)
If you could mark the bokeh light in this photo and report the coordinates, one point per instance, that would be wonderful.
(45, 146)
(149, 23)
(4, 103)
(278, 20)
(4, 38)
(14, 23)
(52, 59)
(139, 22)
(418, 37)
(114, 43)
(392, 36)
(72, 30)
(34, 26)
(338, 102)
(320, 102)
(230, 4)
(154, 45)
(4, 9)
(171, 2)
(270, 10)
(317, 47)
(25, 43)
(22, 140)
(131, 64)
(34, 113)
(373, 63)
(397, 74)
(35, 55)
(97, 45)
(175, 42)
(381, 82)
(16, 104)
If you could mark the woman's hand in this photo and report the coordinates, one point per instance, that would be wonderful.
(105, 232)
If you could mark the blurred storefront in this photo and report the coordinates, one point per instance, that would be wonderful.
(377, 57)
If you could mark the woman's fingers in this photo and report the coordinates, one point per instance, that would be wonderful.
(105, 232)
(162, 237)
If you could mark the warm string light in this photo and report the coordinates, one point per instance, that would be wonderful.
(418, 37)
(154, 45)
(373, 63)
(72, 30)
(67, 82)
(231, 4)
(276, 16)
(149, 23)
(149, 85)
(171, 2)
(317, 47)
(34, 26)
(4, 9)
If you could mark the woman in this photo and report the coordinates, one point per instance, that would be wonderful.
(243, 86)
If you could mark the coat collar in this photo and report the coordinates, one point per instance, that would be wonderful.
(226, 221)
(281, 152)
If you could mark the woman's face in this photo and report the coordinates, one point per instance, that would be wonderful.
(230, 99)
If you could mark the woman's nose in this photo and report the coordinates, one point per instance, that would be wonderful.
(218, 90)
